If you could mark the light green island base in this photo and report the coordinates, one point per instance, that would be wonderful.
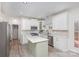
(39, 49)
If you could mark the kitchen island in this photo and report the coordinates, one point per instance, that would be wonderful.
(38, 46)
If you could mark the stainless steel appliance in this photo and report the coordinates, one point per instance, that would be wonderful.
(4, 40)
(34, 34)
(34, 28)
(34, 31)
(50, 41)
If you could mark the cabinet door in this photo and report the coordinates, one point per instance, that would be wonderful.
(25, 24)
(35, 22)
(60, 43)
(60, 21)
(55, 42)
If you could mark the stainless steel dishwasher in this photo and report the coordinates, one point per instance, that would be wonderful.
(50, 41)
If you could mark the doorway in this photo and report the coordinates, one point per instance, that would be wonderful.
(15, 31)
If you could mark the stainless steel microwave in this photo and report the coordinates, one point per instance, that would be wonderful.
(34, 28)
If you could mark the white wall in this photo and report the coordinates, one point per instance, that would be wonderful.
(0, 6)
(2, 16)
(16, 21)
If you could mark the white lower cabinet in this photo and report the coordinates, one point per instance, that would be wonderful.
(24, 39)
(42, 35)
(60, 43)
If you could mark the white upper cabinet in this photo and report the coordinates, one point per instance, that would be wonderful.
(60, 21)
(34, 22)
(27, 23)
(43, 25)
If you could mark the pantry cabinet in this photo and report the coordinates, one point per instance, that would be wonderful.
(59, 21)
(60, 31)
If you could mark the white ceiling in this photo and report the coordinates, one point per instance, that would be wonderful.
(35, 9)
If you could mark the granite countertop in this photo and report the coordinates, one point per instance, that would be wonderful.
(36, 39)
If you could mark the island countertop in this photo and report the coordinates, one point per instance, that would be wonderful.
(36, 39)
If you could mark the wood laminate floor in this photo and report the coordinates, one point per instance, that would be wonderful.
(53, 52)
(18, 50)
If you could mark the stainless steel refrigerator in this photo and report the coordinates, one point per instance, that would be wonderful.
(4, 40)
